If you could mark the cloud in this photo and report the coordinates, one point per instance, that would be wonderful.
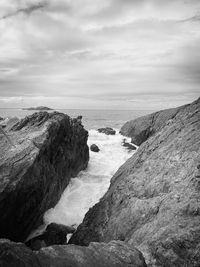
(25, 10)
(99, 51)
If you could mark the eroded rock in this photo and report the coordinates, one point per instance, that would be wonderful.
(113, 254)
(142, 128)
(153, 201)
(94, 148)
(107, 130)
(49, 149)
(54, 234)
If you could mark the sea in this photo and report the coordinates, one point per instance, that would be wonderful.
(90, 185)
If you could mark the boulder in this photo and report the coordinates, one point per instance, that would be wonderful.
(1, 119)
(142, 128)
(153, 202)
(94, 148)
(55, 234)
(113, 254)
(48, 149)
(107, 130)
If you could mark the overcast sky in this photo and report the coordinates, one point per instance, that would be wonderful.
(109, 54)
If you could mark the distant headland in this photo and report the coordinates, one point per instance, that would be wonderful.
(38, 108)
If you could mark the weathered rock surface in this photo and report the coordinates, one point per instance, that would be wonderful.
(94, 148)
(8, 123)
(107, 130)
(49, 149)
(113, 254)
(153, 201)
(54, 234)
(142, 128)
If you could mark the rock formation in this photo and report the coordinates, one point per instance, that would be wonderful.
(54, 234)
(113, 254)
(142, 128)
(49, 149)
(107, 130)
(94, 148)
(153, 202)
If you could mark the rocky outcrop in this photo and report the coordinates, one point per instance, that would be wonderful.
(54, 234)
(153, 202)
(48, 149)
(107, 130)
(94, 148)
(113, 254)
(142, 128)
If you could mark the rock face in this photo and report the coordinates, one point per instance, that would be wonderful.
(142, 128)
(153, 201)
(107, 130)
(94, 148)
(49, 149)
(114, 254)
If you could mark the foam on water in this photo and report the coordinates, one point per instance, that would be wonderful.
(90, 185)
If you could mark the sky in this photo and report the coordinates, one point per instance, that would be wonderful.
(99, 54)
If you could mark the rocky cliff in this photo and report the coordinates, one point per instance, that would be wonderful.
(142, 128)
(113, 254)
(48, 149)
(153, 201)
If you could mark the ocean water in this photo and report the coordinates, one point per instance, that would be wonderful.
(92, 119)
(91, 184)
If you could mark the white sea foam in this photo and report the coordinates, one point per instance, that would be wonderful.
(90, 185)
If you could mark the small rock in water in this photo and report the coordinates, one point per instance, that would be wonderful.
(107, 130)
(94, 148)
(55, 234)
(128, 145)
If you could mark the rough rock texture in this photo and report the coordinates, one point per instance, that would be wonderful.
(114, 254)
(49, 149)
(153, 201)
(107, 130)
(142, 128)
(54, 234)
(94, 148)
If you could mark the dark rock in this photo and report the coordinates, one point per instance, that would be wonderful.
(142, 128)
(107, 130)
(129, 146)
(41, 108)
(94, 148)
(50, 148)
(153, 200)
(1, 119)
(55, 234)
(113, 254)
